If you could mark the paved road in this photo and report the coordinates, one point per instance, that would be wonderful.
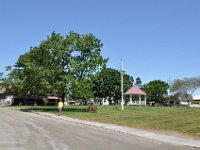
(28, 131)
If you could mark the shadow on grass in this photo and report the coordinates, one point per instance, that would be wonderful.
(38, 109)
(53, 109)
(76, 109)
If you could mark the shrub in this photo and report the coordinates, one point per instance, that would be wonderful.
(92, 108)
(45, 101)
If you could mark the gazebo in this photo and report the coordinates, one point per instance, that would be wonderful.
(138, 92)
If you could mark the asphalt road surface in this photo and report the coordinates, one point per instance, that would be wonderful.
(28, 131)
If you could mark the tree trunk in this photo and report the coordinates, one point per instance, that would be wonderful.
(110, 101)
(63, 98)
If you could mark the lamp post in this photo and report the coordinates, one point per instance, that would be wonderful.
(122, 72)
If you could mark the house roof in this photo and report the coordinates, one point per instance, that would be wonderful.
(52, 97)
(197, 97)
(135, 91)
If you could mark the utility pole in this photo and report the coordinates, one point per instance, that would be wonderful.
(122, 72)
(169, 83)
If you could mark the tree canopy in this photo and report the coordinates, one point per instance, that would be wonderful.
(107, 83)
(58, 65)
(156, 90)
(138, 82)
(186, 87)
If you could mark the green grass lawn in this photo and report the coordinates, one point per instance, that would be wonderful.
(179, 119)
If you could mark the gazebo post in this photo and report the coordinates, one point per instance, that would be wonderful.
(140, 102)
(131, 99)
(145, 100)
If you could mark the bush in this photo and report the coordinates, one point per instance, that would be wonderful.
(92, 108)
(45, 101)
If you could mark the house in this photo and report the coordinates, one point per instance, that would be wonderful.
(181, 98)
(42, 100)
(101, 101)
(185, 99)
(53, 100)
(196, 101)
(5, 99)
(196, 98)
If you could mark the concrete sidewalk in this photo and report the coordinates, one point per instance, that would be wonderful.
(187, 141)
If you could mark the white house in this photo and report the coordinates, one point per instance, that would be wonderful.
(196, 98)
(101, 101)
(196, 101)
(7, 100)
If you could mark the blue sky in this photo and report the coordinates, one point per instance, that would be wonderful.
(157, 39)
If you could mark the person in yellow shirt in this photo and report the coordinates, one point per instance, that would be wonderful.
(60, 106)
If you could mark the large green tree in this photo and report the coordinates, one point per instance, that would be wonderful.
(82, 90)
(58, 65)
(156, 90)
(107, 83)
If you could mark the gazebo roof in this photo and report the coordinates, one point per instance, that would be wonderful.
(135, 91)
(53, 97)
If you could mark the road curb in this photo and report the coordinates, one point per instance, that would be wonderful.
(177, 140)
